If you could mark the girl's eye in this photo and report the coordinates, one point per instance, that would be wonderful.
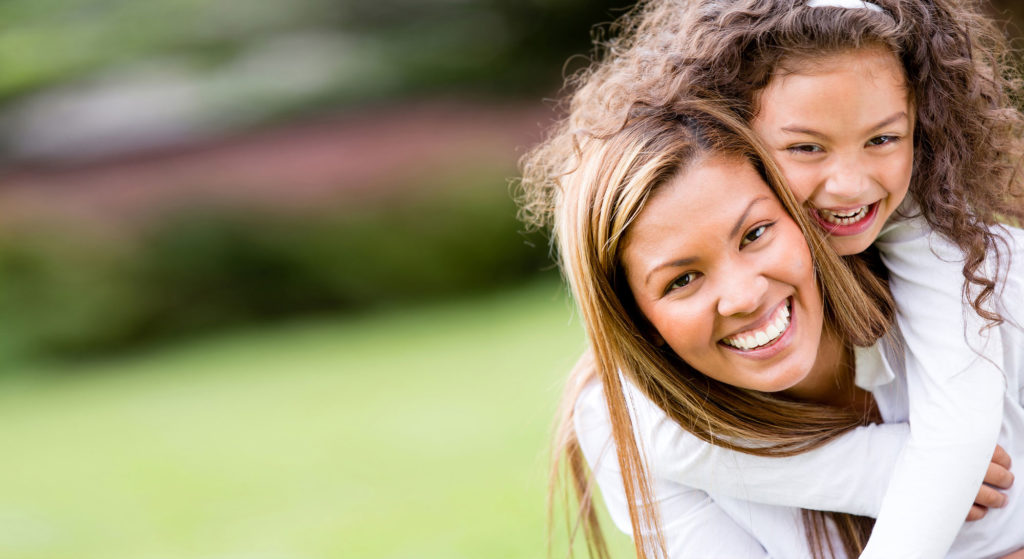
(755, 234)
(683, 280)
(804, 148)
(882, 140)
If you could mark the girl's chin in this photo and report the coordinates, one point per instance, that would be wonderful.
(847, 246)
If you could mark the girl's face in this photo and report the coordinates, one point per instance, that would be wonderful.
(725, 278)
(841, 130)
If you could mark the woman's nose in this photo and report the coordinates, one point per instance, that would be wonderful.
(742, 293)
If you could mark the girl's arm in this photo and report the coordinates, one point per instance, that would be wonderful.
(849, 474)
(955, 388)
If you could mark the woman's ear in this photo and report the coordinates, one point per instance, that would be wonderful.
(653, 336)
(648, 330)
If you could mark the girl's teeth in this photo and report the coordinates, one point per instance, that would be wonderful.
(844, 218)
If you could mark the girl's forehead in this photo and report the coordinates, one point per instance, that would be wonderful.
(877, 68)
(869, 59)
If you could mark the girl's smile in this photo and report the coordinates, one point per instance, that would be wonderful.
(724, 277)
(841, 130)
(845, 222)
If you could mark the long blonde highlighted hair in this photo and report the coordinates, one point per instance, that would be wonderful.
(595, 183)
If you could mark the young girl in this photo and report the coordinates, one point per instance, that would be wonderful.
(850, 97)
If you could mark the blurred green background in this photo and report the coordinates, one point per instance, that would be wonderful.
(262, 289)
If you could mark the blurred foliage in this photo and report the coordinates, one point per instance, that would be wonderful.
(381, 47)
(70, 293)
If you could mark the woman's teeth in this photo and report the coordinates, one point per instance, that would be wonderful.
(764, 336)
(847, 217)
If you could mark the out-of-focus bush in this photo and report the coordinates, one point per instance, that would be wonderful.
(85, 79)
(73, 294)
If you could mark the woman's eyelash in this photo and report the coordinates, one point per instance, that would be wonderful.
(679, 281)
(804, 148)
(756, 233)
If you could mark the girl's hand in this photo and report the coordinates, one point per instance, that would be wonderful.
(998, 476)
(1019, 554)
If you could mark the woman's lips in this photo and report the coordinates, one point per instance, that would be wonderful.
(773, 346)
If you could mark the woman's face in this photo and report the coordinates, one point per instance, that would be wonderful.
(841, 130)
(725, 278)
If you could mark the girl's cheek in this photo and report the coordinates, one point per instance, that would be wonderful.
(801, 182)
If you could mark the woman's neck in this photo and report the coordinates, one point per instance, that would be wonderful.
(831, 380)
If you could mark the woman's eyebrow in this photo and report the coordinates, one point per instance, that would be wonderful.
(746, 212)
(679, 263)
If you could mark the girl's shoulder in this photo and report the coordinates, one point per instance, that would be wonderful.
(905, 225)
(908, 230)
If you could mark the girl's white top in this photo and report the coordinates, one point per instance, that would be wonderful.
(919, 483)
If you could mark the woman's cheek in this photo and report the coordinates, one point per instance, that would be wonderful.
(797, 255)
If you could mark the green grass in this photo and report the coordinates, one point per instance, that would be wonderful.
(414, 433)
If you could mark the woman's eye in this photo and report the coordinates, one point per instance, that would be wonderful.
(755, 234)
(683, 280)
(882, 140)
(804, 148)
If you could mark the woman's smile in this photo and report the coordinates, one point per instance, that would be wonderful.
(767, 336)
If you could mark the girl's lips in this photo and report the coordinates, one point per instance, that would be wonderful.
(776, 346)
(846, 230)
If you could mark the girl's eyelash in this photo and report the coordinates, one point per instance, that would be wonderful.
(888, 139)
(880, 140)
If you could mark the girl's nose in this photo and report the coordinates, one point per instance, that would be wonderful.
(847, 181)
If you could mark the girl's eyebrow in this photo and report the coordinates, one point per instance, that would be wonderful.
(678, 263)
(797, 129)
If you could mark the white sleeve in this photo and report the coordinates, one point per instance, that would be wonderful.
(849, 474)
(694, 526)
(955, 389)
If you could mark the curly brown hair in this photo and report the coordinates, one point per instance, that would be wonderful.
(958, 67)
